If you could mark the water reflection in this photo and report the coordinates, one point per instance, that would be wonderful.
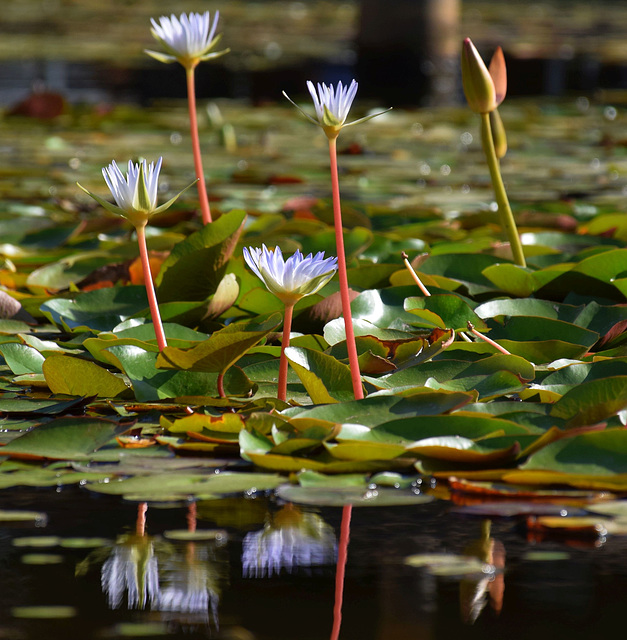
(476, 592)
(131, 568)
(290, 539)
(180, 579)
(340, 570)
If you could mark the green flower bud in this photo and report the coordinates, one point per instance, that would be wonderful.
(476, 79)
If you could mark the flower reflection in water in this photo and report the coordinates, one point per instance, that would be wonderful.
(179, 579)
(131, 568)
(291, 539)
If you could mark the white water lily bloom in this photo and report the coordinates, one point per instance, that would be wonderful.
(332, 105)
(291, 279)
(135, 193)
(126, 189)
(187, 39)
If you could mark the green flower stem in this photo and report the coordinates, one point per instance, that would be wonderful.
(505, 211)
(285, 343)
(342, 555)
(193, 124)
(358, 390)
(150, 288)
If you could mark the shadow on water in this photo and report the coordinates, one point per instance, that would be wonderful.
(255, 568)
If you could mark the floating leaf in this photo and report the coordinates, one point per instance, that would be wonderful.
(221, 350)
(77, 377)
(340, 496)
(99, 310)
(22, 359)
(591, 402)
(65, 439)
(150, 383)
(453, 310)
(593, 453)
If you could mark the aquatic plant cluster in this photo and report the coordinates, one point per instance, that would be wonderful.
(232, 340)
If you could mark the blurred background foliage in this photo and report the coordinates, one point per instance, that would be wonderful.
(404, 52)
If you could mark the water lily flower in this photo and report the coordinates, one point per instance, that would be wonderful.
(135, 193)
(289, 280)
(332, 105)
(135, 196)
(190, 39)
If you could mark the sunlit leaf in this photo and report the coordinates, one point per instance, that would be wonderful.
(77, 377)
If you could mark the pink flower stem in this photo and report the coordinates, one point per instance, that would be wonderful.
(358, 390)
(193, 125)
(340, 570)
(150, 288)
(285, 342)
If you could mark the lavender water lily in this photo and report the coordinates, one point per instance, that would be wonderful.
(332, 105)
(135, 195)
(289, 280)
(189, 40)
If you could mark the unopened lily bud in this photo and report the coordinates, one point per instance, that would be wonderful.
(477, 81)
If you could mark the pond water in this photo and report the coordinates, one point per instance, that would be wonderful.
(233, 580)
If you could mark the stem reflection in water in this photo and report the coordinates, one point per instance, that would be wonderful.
(342, 557)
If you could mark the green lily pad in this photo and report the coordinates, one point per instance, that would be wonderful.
(196, 265)
(65, 439)
(150, 383)
(221, 350)
(342, 496)
(76, 377)
(99, 310)
(595, 453)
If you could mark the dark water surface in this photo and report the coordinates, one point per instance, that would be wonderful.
(552, 588)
